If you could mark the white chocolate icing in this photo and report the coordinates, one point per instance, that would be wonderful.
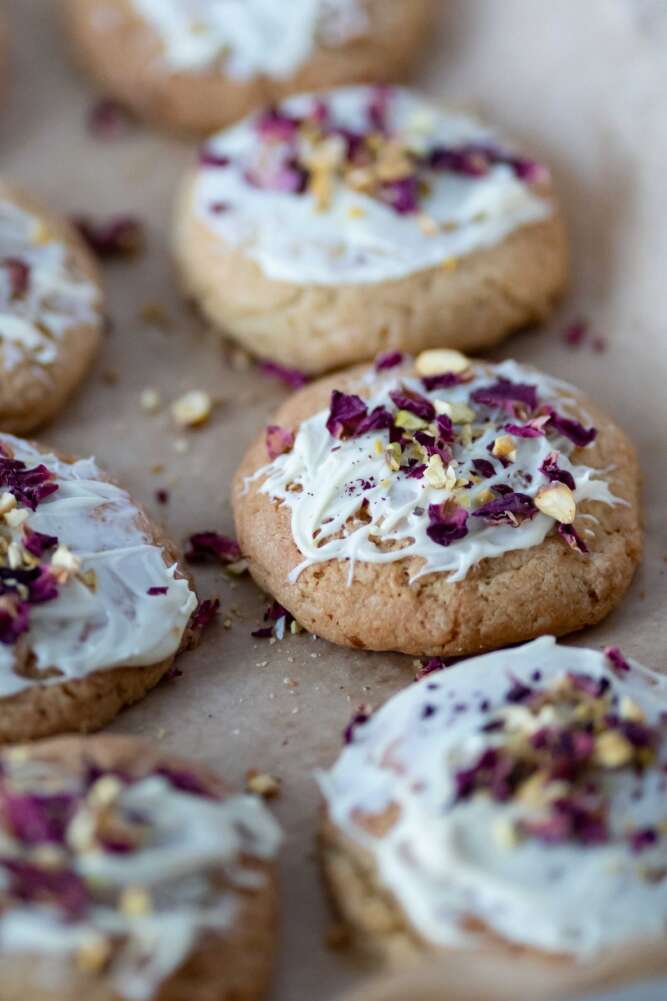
(328, 472)
(118, 623)
(187, 839)
(253, 37)
(358, 239)
(56, 299)
(444, 860)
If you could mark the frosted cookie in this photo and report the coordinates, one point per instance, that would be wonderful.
(200, 64)
(443, 508)
(50, 312)
(366, 219)
(126, 874)
(514, 801)
(93, 606)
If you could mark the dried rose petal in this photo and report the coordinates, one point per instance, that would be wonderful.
(211, 545)
(210, 158)
(279, 441)
(617, 660)
(406, 399)
(379, 419)
(205, 613)
(31, 884)
(576, 432)
(484, 468)
(14, 619)
(184, 781)
(288, 176)
(390, 359)
(38, 543)
(157, 590)
(554, 473)
(643, 839)
(108, 119)
(345, 415)
(275, 125)
(29, 486)
(123, 236)
(444, 380)
(448, 523)
(430, 665)
(280, 620)
(292, 377)
(19, 275)
(415, 472)
(531, 429)
(401, 196)
(361, 716)
(35, 818)
(572, 537)
(378, 108)
(508, 509)
(575, 333)
(507, 395)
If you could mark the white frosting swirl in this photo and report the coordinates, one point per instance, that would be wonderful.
(446, 861)
(195, 34)
(116, 624)
(322, 482)
(186, 841)
(359, 239)
(55, 299)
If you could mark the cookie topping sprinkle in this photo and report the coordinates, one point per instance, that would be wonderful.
(429, 468)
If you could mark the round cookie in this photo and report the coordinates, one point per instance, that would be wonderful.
(93, 605)
(128, 874)
(200, 65)
(367, 219)
(51, 312)
(511, 804)
(440, 508)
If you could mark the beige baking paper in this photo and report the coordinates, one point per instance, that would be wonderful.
(583, 83)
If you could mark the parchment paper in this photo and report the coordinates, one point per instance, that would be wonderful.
(583, 84)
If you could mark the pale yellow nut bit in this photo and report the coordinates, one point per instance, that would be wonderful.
(150, 400)
(458, 413)
(504, 447)
(135, 902)
(262, 784)
(409, 421)
(93, 955)
(613, 750)
(7, 502)
(557, 501)
(192, 409)
(435, 473)
(439, 361)
(16, 517)
(65, 561)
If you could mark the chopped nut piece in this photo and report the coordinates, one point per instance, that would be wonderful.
(64, 560)
(105, 791)
(192, 409)
(135, 902)
(505, 834)
(7, 502)
(409, 421)
(150, 401)
(393, 456)
(94, 954)
(631, 710)
(441, 360)
(613, 750)
(557, 501)
(262, 784)
(435, 474)
(504, 447)
(14, 555)
(16, 517)
(459, 413)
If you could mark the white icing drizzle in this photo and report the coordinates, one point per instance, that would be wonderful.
(195, 34)
(118, 623)
(359, 240)
(55, 300)
(186, 840)
(328, 471)
(445, 862)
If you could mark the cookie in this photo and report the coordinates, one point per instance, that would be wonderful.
(51, 312)
(128, 874)
(199, 66)
(362, 220)
(510, 803)
(93, 606)
(442, 507)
